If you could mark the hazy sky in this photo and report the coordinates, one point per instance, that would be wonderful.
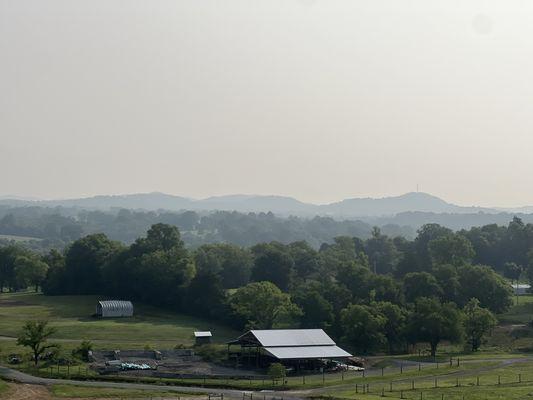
(316, 99)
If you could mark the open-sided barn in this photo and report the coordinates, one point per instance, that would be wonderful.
(291, 346)
(114, 308)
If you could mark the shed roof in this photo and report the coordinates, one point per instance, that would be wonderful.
(114, 304)
(301, 352)
(202, 334)
(292, 337)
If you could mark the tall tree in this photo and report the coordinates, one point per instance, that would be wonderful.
(432, 322)
(454, 249)
(30, 271)
(363, 327)
(275, 266)
(231, 263)
(482, 283)
(382, 253)
(205, 296)
(478, 322)
(420, 284)
(395, 325)
(317, 311)
(262, 305)
(84, 261)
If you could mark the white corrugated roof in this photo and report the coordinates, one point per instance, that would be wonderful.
(202, 334)
(115, 304)
(285, 353)
(292, 337)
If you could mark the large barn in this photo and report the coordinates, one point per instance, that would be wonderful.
(114, 308)
(296, 347)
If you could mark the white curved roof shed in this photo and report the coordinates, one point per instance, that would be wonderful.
(114, 308)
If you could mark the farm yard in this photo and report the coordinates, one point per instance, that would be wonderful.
(490, 374)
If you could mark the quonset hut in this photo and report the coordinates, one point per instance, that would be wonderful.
(114, 308)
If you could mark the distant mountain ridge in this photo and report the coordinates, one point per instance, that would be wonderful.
(281, 205)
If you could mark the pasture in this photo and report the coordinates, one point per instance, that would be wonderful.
(71, 316)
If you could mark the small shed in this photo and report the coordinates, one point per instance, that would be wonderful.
(114, 308)
(202, 337)
(521, 288)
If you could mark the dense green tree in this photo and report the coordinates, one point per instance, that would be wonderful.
(395, 325)
(262, 305)
(382, 253)
(30, 271)
(452, 249)
(356, 278)
(275, 266)
(84, 261)
(432, 322)
(426, 234)
(231, 263)
(160, 237)
(478, 322)
(385, 288)
(363, 327)
(448, 279)
(53, 283)
(205, 296)
(317, 311)
(420, 284)
(307, 262)
(482, 283)
(8, 257)
(512, 271)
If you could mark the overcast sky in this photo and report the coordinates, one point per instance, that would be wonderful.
(316, 99)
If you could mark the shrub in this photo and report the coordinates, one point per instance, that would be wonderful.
(277, 371)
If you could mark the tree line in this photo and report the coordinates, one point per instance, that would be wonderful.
(378, 294)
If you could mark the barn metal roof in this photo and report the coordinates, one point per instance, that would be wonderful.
(292, 337)
(300, 352)
(115, 304)
(202, 334)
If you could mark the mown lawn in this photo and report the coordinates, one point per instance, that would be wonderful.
(71, 315)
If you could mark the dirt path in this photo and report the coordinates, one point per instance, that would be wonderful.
(18, 391)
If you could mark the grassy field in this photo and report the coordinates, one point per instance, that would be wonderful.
(3, 386)
(19, 238)
(71, 315)
(513, 381)
(71, 391)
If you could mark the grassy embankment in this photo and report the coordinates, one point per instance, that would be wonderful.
(72, 391)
